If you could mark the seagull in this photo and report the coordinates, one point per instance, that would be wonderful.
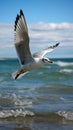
(27, 60)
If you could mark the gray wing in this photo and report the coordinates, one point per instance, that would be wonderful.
(21, 39)
(43, 52)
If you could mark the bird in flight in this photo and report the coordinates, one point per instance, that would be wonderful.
(27, 60)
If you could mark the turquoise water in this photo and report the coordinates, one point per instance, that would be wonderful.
(42, 99)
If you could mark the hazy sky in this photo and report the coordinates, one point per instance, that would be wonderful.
(49, 21)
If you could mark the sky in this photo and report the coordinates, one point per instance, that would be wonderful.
(49, 22)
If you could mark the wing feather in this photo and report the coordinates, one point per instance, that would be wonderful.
(21, 39)
(43, 52)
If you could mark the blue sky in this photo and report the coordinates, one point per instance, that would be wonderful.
(49, 21)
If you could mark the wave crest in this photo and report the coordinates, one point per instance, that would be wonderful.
(15, 113)
(66, 70)
(13, 100)
(67, 115)
(62, 64)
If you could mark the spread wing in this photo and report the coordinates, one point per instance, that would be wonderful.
(21, 39)
(43, 52)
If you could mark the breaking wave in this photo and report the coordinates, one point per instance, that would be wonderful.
(67, 115)
(66, 70)
(15, 113)
(63, 64)
(13, 100)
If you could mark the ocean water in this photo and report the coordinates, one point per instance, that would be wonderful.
(40, 100)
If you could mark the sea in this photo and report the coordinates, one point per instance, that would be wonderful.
(40, 100)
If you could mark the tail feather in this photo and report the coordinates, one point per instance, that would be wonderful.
(14, 74)
(18, 74)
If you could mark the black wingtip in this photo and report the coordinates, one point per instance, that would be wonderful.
(56, 44)
(17, 18)
(16, 21)
(21, 12)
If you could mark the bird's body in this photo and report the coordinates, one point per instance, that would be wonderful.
(28, 67)
(27, 60)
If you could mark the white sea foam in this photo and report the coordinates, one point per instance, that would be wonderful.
(19, 102)
(62, 64)
(67, 115)
(14, 100)
(66, 70)
(40, 73)
(15, 113)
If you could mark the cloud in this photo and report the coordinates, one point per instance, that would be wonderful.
(6, 35)
(6, 39)
(41, 35)
(52, 32)
(6, 29)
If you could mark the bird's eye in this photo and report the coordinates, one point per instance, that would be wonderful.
(44, 60)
